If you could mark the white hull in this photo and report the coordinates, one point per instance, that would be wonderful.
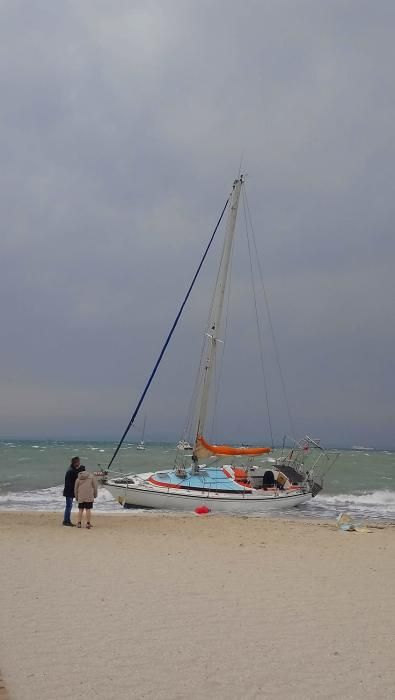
(145, 496)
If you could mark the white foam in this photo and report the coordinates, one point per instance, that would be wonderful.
(376, 504)
(51, 499)
(382, 497)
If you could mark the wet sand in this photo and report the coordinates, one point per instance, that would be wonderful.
(173, 607)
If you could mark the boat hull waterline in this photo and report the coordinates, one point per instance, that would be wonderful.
(145, 496)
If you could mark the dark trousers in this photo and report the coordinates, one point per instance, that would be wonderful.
(67, 510)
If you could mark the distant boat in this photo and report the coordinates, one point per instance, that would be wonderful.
(245, 488)
(361, 448)
(184, 445)
(141, 445)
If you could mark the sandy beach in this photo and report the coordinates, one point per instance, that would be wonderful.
(166, 607)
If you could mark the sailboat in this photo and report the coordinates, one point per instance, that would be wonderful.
(184, 445)
(141, 445)
(221, 477)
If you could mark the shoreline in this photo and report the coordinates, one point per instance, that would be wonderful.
(217, 606)
(157, 512)
(54, 518)
(377, 523)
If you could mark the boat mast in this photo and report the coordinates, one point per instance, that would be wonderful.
(143, 433)
(214, 325)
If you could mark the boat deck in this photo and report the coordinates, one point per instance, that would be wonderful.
(207, 478)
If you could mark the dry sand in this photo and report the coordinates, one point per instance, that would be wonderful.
(205, 607)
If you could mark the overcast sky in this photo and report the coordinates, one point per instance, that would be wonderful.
(122, 127)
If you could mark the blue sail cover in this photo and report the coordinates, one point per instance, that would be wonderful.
(207, 478)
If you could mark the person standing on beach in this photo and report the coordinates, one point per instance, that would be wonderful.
(68, 491)
(85, 491)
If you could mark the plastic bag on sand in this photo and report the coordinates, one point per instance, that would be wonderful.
(346, 524)
(202, 510)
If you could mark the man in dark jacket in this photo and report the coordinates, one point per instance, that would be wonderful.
(68, 491)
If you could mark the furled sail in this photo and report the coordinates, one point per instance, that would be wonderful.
(204, 449)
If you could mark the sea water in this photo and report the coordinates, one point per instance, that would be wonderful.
(361, 483)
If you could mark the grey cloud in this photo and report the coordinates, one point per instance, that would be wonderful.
(121, 129)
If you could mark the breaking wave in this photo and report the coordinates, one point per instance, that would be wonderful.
(51, 499)
(373, 505)
(378, 504)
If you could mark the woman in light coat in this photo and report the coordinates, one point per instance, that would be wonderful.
(85, 492)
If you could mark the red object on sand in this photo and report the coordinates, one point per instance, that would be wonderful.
(202, 510)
